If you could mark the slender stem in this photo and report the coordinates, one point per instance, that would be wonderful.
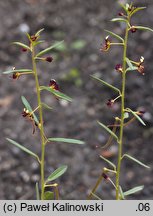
(96, 186)
(41, 123)
(120, 142)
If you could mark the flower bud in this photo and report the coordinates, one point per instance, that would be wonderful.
(105, 176)
(110, 103)
(119, 68)
(121, 14)
(24, 49)
(133, 29)
(16, 75)
(49, 59)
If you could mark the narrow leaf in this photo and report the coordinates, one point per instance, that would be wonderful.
(115, 35)
(18, 71)
(22, 45)
(137, 9)
(48, 49)
(38, 42)
(56, 93)
(138, 117)
(46, 106)
(22, 148)
(133, 190)
(108, 130)
(105, 83)
(143, 28)
(135, 160)
(108, 161)
(78, 44)
(48, 195)
(129, 64)
(37, 191)
(119, 20)
(39, 31)
(131, 69)
(28, 107)
(57, 173)
(122, 6)
(121, 193)
(72, 141)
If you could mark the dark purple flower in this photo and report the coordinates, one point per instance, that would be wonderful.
(49, 59)
(119, 68)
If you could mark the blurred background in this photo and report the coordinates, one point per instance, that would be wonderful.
(81, 25)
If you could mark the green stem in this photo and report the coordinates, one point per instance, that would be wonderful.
(120, 142)
(41, 123)
(96, 186)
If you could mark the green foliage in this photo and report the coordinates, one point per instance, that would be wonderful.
(135, 160)
(28, 107)
(65, 140)
(48, 195)
(56, 93)
(106, 84)
(108, 130)
(57, 173)
(138, 117)
(22, 45)
(78, 44)
(37, 191)
(49, 49)
(109, 162)
(18, 71)
(133, 190)
(22, 148)
(115, 35)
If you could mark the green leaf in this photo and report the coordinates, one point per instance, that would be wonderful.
(46, 106)
(119, 20)
(115, 35)
(127, 6)
(62, 47)
(138, 117)
(48, 195)
(133, 190)
(108, 161)
(122, 6)
(143, 28)
(72, 141)
(48, 49)
(18, 71)
(135, 160)
(137, 9)
(106, 84)
(78, 44)
(37, 191)
(56, 93)
(38, 32)
(108, 130)
(121, 193)
(38, 42)
(22, 45)
(129, 64)
(28, 107)
(57, 173)
(131, 69)
(22, 148)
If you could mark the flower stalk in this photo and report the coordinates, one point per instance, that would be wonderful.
(120, 142)
(41, 122)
